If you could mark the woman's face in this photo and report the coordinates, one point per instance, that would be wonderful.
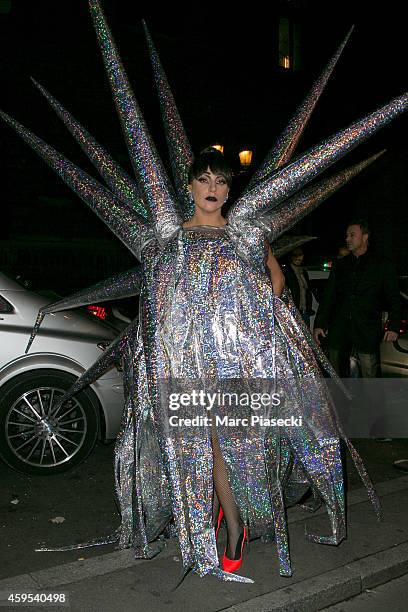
(209, 191)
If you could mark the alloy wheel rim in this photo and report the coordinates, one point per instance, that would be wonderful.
(40, 435)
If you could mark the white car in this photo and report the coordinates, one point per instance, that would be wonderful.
(318, 278)
(34, 438)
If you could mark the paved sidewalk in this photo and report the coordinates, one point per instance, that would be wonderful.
(372, 554)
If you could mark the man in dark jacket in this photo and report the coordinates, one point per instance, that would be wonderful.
(360, 285)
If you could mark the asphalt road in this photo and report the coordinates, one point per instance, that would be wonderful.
(85, 499)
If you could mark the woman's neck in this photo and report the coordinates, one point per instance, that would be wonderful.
(203, 219)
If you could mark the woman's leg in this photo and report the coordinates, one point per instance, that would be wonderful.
(226, 499)
(216, 508)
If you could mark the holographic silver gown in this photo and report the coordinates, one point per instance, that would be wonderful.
(208, 317)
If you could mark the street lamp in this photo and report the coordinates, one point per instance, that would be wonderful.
(219, 147)
(245, 158)
(285, 62)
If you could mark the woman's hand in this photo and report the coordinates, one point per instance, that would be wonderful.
(276, 274)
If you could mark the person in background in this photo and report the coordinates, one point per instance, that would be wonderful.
(359, 286)
(297, 280)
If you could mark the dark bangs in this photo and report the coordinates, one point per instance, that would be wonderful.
(215, 161)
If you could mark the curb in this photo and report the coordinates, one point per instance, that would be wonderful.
(333, 586)
(105, 564)
(79, 570)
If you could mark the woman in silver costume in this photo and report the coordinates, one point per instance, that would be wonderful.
(209, 183)
(213, 316)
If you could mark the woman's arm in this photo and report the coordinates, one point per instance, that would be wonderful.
(276, 274)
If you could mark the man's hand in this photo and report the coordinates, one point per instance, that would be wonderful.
(390, 336)
(317, 332)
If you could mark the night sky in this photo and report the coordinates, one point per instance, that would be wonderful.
(223, 69)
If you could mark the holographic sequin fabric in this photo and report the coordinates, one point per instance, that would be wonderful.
(286, 144)
(180, 153)
(117, 179)
(298, 173)
(285, 215)
(285, 244)
(209, 316)
(114, 288)
(151, 176)
(128, 226)
(114, 351)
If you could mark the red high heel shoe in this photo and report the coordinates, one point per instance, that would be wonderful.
(232, 565)
(220, 517)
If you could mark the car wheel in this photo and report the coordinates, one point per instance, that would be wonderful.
(36, 438)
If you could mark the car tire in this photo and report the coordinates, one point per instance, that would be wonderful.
(34, 439)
